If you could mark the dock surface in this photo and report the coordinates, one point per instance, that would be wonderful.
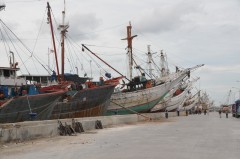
(186, 137)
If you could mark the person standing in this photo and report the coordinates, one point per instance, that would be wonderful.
(205, 111)
(166, 113)
(226, 113)
(220, 113)
(53, 76)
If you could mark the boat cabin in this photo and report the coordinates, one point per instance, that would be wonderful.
(42, 79)
(138, 83)
(9, 81)
(8, 77)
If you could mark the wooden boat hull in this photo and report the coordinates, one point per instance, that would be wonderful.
(177, 101)
(160, 107)
(17, 109)
(141, 101)
(85, 103)
(193, 102)
(140, 108)
(190, 106)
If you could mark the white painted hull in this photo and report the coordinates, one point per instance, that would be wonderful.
(163, 103)
(177, 101)
(190, 106)
(141, 97)
(193, 101)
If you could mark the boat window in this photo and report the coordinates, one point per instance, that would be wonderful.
(36, 79)
(6, 73)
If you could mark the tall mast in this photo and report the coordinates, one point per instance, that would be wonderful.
(149, 61)
(63, 27)
(130, 55)
(162, 63)
(53, 39)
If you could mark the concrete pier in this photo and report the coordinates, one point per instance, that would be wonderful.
(29, 130)
(185, 137)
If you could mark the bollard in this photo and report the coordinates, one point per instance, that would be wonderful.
(77, 126)
(186, 113)
(226, 115)
(98, 124)
(178, 113)
(61, 129)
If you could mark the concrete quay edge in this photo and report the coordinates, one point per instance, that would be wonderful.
(23, 131)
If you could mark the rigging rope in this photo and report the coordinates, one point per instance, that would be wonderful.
(34, 46)
(3, 24)
(12, 42)
(99, 66)
(70, 56)
(75, 49)
(4, 43)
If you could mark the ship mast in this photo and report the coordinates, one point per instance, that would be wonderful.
(162, 63)
(130, 55)
(63, 27)
(53, 38)
(149, 54)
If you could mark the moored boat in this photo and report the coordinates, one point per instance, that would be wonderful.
(90, 100)
(20, 102)
(177, 99)
(191, 103)
(161, 106)
(142, 100)
(61, 100)
(141, 94)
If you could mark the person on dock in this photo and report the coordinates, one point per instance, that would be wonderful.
(166, 113)
(220, 113)
(205, 111)
(226, 113)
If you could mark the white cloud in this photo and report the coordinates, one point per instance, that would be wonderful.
(168, 17)
(83, 26)
(221, 69)
(191, 32)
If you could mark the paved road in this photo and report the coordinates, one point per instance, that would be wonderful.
(191, 137)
